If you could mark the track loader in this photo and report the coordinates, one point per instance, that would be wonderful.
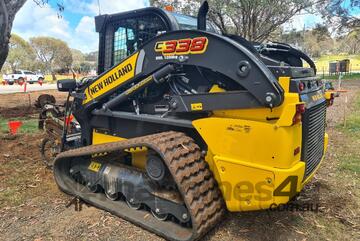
(184, 123)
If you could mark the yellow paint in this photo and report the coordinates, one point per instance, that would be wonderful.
(139, 85)
(196, 106)
(328, 94)
(255, 147)
(251, 141)
(94, 166)
(249, 151)
(284, 81)
(317, 97)
(111, 79)
(216, 89)
(284, 112)
(138, 156)
(99, 138)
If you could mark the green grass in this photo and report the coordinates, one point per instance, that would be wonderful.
(14, 184)
(350, 163)
(350, 159)
(28, 126)
(322, 63)
(11, 196)
(353, 121)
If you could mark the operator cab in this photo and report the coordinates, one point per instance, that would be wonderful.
(122, 34)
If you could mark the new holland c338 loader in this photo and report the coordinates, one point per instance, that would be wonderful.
(184, 123)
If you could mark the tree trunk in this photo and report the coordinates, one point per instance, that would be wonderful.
(53, 75)
(8, 10)
(73, 73)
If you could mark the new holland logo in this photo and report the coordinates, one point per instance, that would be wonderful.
(196, 45)
(317, 97)
(111, 79)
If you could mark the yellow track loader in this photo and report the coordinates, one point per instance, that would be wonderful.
(184, 123)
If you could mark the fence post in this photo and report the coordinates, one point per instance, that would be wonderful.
(25, 84)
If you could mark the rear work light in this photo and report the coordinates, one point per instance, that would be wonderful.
(300, 109)
(301, 86)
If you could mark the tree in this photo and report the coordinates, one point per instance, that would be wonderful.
(254, 20)
(8, 10)
(342, 13)
(53, 53)
(350, 43)
(321, 32)
(20, 54)
(185, 7)
(92, 56)
(78, 58)
(293, 37)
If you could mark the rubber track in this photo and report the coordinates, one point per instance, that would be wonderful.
(182, 156)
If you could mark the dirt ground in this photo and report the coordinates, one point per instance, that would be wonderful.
(28, 99)
(32, 207)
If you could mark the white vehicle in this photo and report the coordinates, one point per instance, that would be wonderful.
(20, 76)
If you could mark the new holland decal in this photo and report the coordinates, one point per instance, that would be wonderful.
(196, 45)
(112, 79)
(317, 96)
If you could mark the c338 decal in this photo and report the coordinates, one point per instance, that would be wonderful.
(196, 45)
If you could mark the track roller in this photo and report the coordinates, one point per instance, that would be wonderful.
(158, 216)
(113, 196)
(132, 204)
(183, 213)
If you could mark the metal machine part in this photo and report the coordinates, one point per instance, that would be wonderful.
(197, 205)
(179, 108)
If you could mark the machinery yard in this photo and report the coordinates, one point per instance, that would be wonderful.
(33, 208)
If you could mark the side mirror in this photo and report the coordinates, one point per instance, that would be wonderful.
(66, 85)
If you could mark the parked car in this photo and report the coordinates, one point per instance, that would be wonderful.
(19, 76)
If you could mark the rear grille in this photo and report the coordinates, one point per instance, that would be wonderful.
(313, 136)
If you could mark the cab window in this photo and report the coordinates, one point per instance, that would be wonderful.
(186, 22)
(131, 34)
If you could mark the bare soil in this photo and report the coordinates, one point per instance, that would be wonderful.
(33, 208)
(28, 99)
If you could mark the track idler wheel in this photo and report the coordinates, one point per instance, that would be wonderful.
(158, 216)
(93, 187)
(132, 204)
(155, 168)
(113, 196)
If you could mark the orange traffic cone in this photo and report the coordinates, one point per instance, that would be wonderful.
(14, 126)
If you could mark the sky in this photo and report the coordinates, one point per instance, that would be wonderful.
(77, 27)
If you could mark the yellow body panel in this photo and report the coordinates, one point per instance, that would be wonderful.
(112, 79)
(251, 159)
(252, 152)
(138, 156)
